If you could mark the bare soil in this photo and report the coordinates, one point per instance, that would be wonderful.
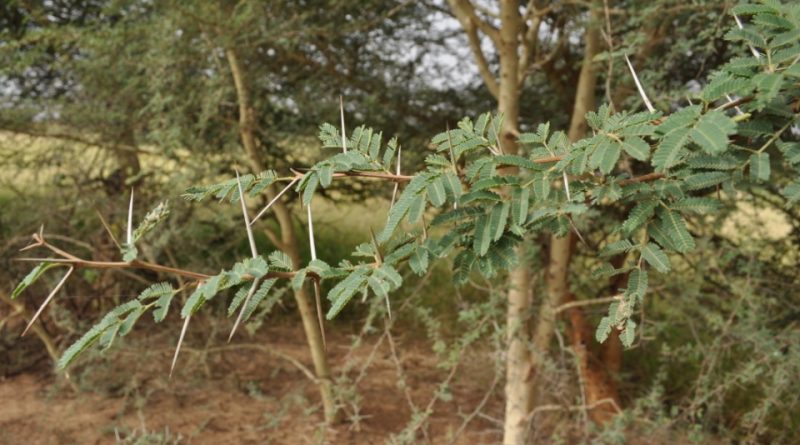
(241, 394)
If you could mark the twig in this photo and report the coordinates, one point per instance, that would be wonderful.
(554, 407)
(477, 409)
(579, 303)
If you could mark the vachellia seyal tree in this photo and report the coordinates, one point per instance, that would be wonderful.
(488, 190)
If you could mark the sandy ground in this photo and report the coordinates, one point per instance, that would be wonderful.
(240, 394)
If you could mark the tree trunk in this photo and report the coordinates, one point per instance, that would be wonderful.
(288, 241)
(519, 367)
(597, 385)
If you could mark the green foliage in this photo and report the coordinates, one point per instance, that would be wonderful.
(150, 221)
(228, 189)
(651, 177)
(248, 269)
(31, 278)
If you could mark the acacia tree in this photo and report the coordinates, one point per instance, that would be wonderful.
(676, 165)
(224, 80)
(530, 38)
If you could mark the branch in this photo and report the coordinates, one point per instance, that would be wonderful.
(78, 263)
(465, 13)
(530, 38)
(480, 59)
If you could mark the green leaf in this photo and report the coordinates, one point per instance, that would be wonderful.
(752, 9)
(697, 205)
(483, 235)
(416, 210)
(615, 248)
(515, 160)
(675, 227)
(310, 187)
(670, 150)
(452, 185)
(759, 167)
(163, 293)
(638, 215)
(520, 200)
(325, 173)
(541, 186)
(462, 266)
(636, 147)
(497, 220)
(603, 329)
(401, 207)
(127, 324)
(605, 156)
(712, 131)
(279, 260)
(31, 278)
(155, 291)
(419, 261)
(264, 180)
(792, 193)
(162, 306)
(110, 321)
(343, 292)
(204, 292)
(129, 252)
(436, 192)
(256, 299)
(299, 279)
(637, 283)
(628, 334)
(704, 180)
(389, 274)
(655, 257)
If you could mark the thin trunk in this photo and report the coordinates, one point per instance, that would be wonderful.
(600, 389)
(597, 385)
(519, 366)
(560, 247)
(288, 241)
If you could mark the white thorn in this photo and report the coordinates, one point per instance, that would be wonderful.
(244, 305)
(318, 299)
(639, 86)
(397, 170)
(341, 113)
(756, 54)
(311, 233)
(130, 220)
(730, 100)
(47, 300)
(247, 227)
(180, 342)
(264, 210)
(566, 186)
